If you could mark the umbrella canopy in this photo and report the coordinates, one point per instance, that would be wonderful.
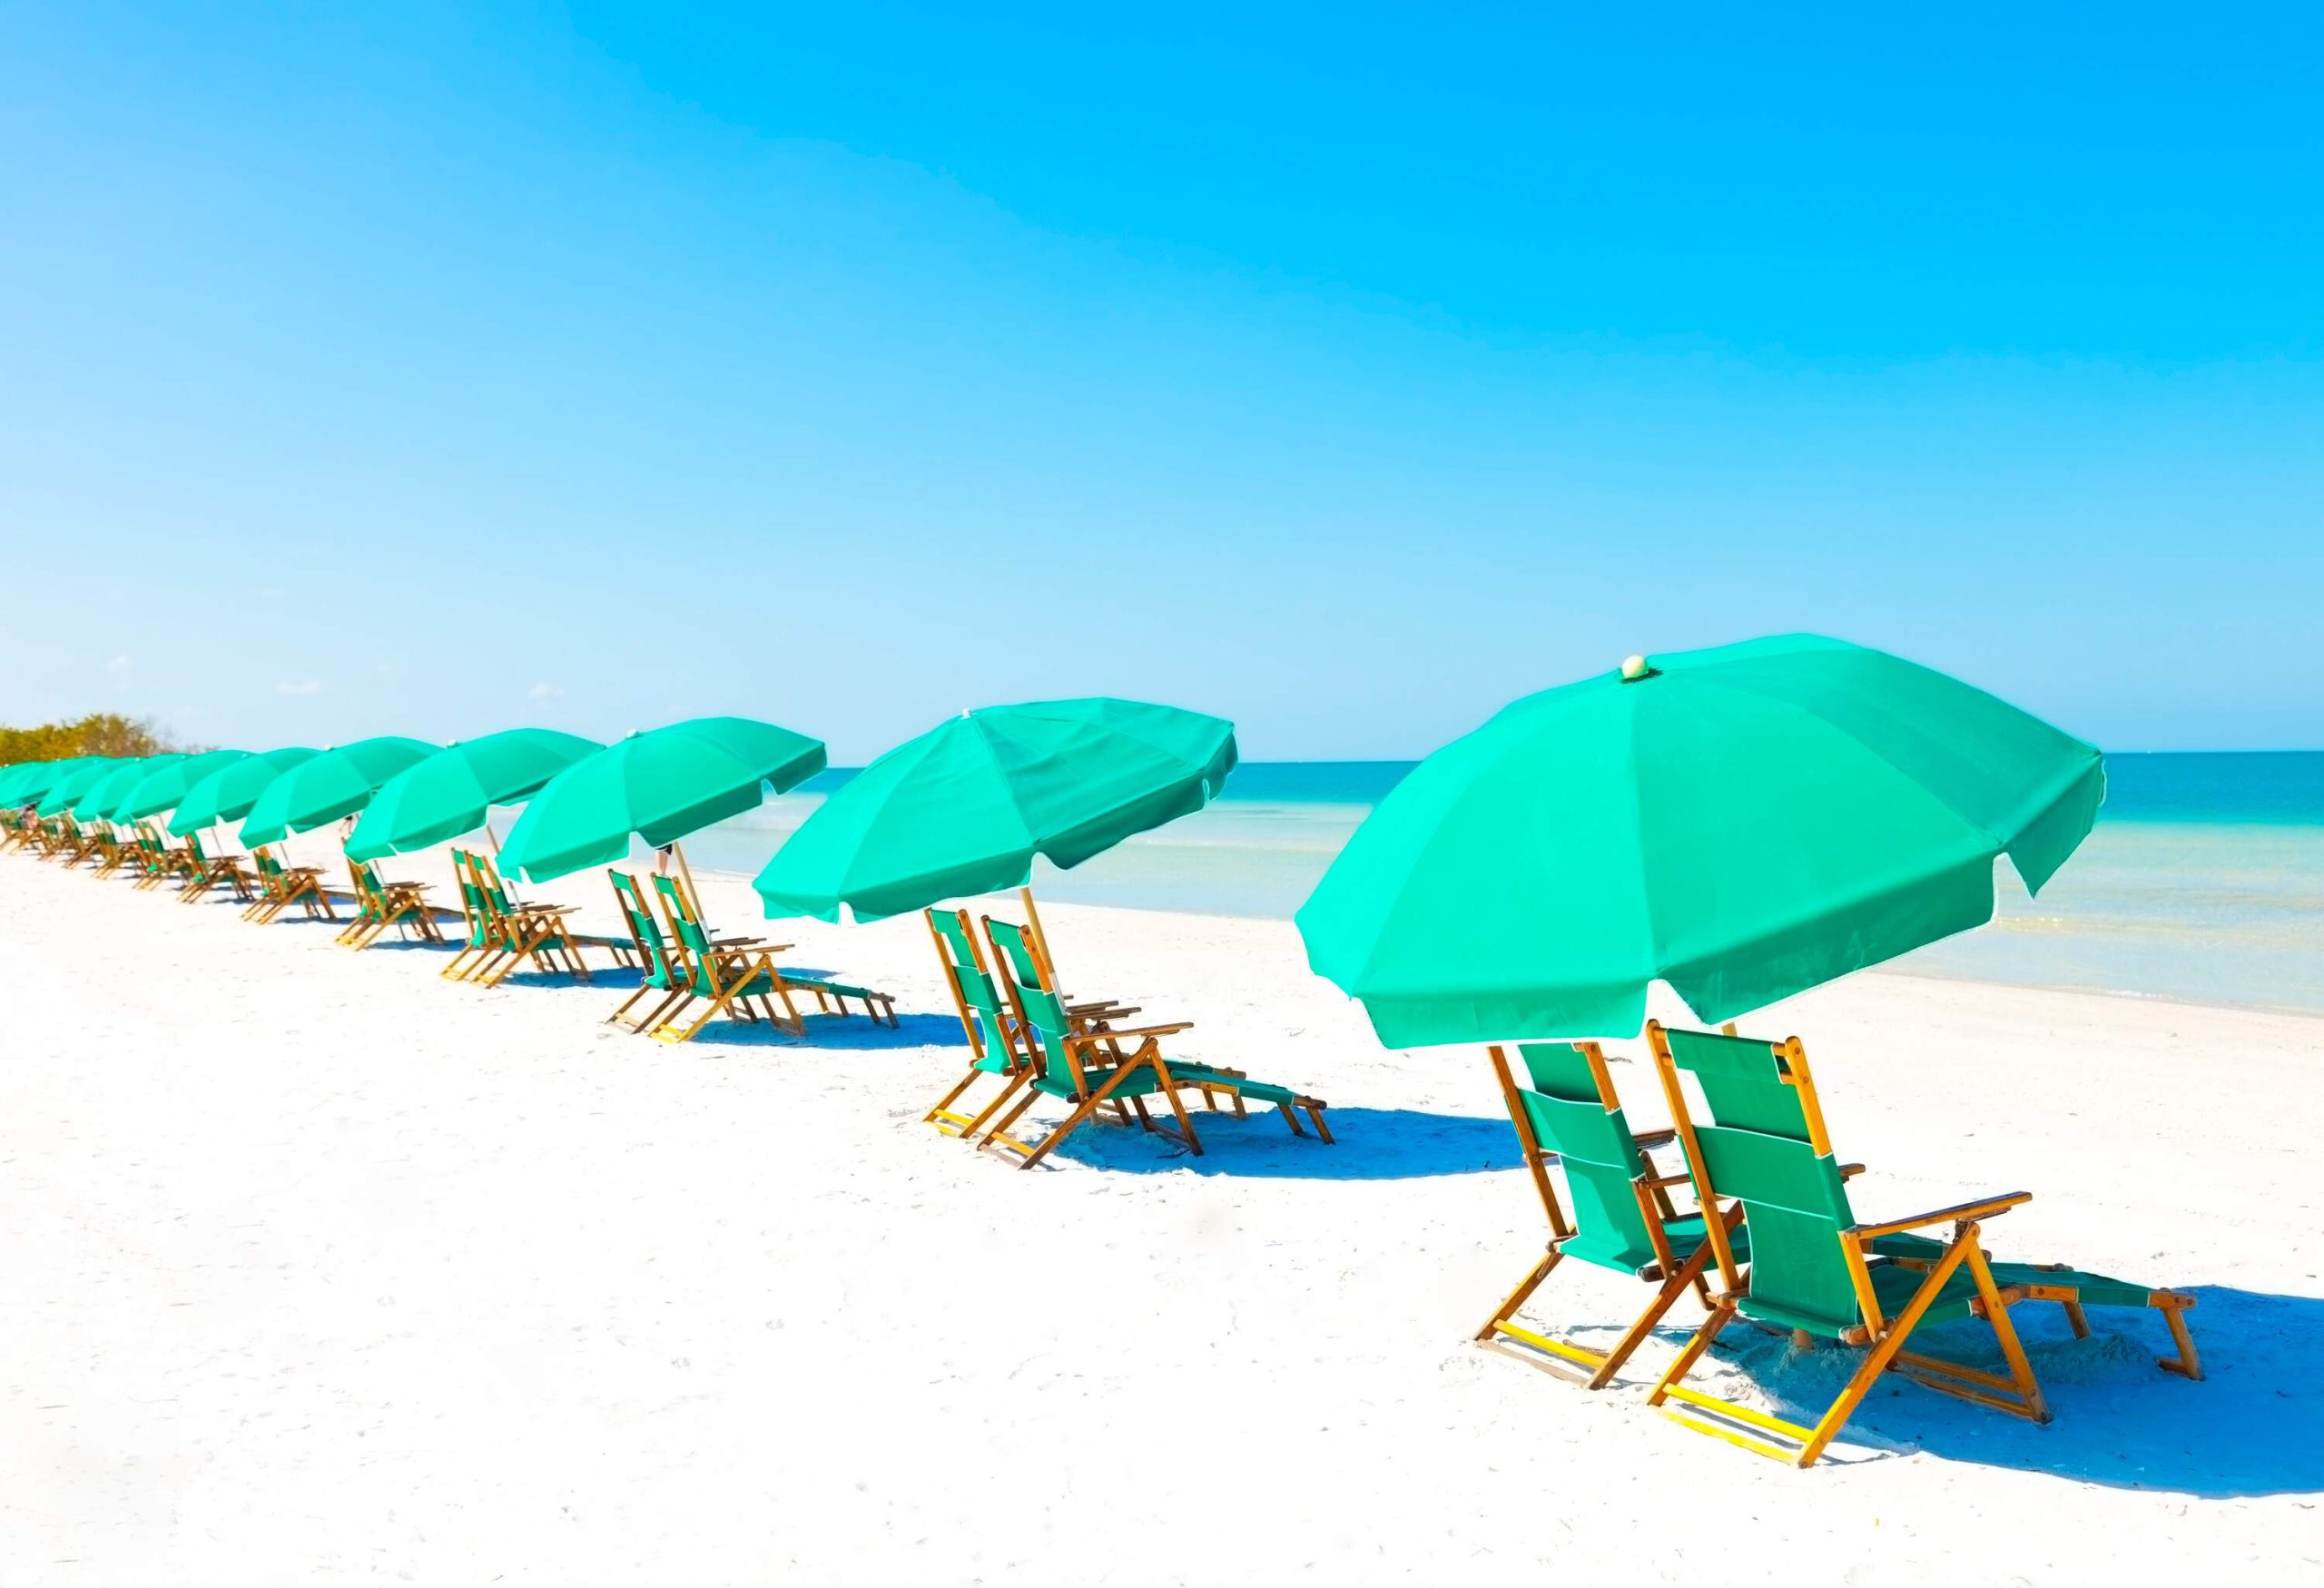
(450, 793)
(71, 785)
(660, 786)
(30, 780)
(964, 808)
(228, 793)
(340, 781)
(98, 804)
(1743, 823)
(166, 780)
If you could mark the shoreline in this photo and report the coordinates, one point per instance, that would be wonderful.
(741, 880)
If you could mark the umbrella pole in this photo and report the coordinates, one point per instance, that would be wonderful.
(1041, 937)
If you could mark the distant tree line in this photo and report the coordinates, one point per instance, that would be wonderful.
(103, 732)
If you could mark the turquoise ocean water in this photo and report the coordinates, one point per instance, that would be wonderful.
(2204, 880)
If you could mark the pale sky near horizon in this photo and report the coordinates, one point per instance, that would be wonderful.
(1347, 371)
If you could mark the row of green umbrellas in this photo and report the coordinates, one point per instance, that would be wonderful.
(1739, 824)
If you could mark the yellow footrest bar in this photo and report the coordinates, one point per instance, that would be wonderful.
(1734, 1437)
(1757, 1419)
(1588, 1358)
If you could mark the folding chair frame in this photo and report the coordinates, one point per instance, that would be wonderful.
(1653, 1193)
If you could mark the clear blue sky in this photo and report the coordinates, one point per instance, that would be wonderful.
(1343, 369)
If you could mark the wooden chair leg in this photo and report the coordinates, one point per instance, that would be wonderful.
(1883, 1351)
(1015, 1081)
(1676, 1286)
(1178, 1107)
(1522, 1295)
(2186, 1364)
(1692, 1353)
(944, 1104)
(998, 1132)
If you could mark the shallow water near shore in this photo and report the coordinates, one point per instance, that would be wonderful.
(2204, 881)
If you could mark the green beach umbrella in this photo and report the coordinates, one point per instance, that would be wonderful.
(71, 785)
(98, 804)
(227, 793)
(1743, 823)
(660, 786)
(450, 793)
(337, 782)
(964, 808)
(166, 780)
(30, 780)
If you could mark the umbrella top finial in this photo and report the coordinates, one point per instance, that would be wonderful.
(1635, 669)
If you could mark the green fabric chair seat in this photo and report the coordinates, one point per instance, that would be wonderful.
(1257, 1091)
(1144, 1083)
(2097, 1290)
(1894, 1285)
(838, 989)
(1686, 1234)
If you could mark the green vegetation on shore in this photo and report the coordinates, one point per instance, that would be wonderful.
(102, 732)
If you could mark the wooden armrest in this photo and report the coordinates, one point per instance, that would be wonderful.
(1983, 1207)
(1848, 1171)
(1184, 1025)
(1656, 1138)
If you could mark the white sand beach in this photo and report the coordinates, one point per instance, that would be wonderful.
(320, 1269)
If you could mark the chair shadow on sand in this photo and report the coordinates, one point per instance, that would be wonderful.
(2245, 1431)
(1369, 1144)
(831, 1033)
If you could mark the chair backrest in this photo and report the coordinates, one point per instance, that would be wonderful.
(694, 938)
(1764, 1145)
(194, 849)
(1039, 1011)
(1015, 944)
(652, 948)
(963, 961)
(267, 865)
(498, 911)
(1569, 1104)
(473, 902)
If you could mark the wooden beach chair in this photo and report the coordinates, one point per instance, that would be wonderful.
(520, 934)
(69, 844)
(380, 905)
(282, 886)
(205, 871)
(1816, 1270)
(996, 1047)
(728, 973)
(112, 848)
(1085, 1070)
(478, 946)
(58, 836)
(157, 862)
(1565, 1111)
(664, 971)
(1020, 952)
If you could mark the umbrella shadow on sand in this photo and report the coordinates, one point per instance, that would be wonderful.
(2245, 1431)
(1369, 1144)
